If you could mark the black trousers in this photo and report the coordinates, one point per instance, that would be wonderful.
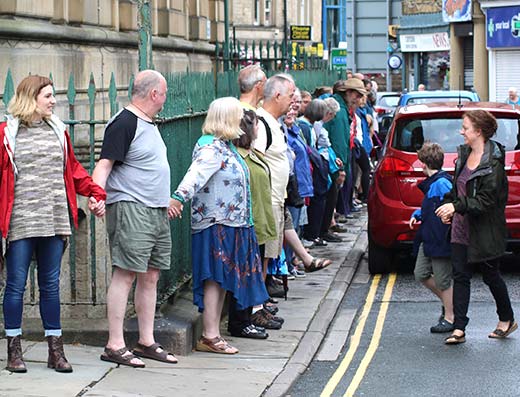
(364, 165)
(462, 273)
(330, 204)
(237, 319)
(315, 217)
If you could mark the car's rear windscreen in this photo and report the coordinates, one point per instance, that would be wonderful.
(418, 101)
(410, 134)
(389, 101)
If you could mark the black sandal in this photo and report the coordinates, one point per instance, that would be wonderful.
(454, 339)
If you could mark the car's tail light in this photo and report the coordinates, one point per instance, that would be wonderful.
(388, 172)
(514, 234)
(392, 167)
(514, 170)
(379, 110)
(407, 236)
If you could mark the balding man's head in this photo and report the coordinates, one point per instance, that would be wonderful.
(145, 81)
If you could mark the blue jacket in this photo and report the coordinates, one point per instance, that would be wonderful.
(432, 233)
(302, 165)
(367, 140)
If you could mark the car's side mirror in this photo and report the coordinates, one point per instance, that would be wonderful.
(386, 122)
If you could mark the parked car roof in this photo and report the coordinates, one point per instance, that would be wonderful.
(416, 97)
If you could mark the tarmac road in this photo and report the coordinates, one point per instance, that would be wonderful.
(405, 359)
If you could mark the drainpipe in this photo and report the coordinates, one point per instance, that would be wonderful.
(354, 39)
(226, 35)
(285, 56)
(144, 22)
(388, 23)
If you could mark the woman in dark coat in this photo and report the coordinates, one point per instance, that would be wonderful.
(476, 210)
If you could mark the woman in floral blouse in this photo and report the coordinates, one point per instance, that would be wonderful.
(225, 253)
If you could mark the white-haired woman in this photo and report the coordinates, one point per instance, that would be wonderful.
(225, 254)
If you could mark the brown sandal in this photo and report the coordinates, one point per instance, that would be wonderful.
(215, 345)
(151, 352)
(501, 334)
(117, 357)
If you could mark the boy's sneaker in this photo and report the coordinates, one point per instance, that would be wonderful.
(442, 327)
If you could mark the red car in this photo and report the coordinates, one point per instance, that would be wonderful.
(394, 194)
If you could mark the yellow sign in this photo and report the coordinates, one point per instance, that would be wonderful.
(301, 32)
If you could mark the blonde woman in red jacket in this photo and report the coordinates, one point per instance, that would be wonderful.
(39, 179)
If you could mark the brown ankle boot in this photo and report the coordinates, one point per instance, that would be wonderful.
(57, 358)
(14, 355)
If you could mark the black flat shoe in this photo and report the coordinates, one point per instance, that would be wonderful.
(251, 332)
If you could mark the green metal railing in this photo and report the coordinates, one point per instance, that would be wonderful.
(270, 54)
(180, 123)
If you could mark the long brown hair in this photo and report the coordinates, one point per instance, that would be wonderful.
(23, 104)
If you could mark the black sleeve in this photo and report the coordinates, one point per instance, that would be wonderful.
(119, 134)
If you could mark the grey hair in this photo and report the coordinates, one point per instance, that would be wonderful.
(248, 77)
(144, 82)
(512, 89)
(332, 105)
(278, 83)
(316, 110)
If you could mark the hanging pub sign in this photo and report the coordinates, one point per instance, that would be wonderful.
(301, 32)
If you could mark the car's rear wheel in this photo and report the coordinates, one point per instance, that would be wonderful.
(379, 258)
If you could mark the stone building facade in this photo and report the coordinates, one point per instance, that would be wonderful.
(264, 19)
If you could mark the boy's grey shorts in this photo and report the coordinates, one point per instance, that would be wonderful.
(139, 236)
(440, 268)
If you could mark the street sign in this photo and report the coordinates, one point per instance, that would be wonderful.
(338, 58)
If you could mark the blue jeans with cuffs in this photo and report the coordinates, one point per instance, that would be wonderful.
(48, 252)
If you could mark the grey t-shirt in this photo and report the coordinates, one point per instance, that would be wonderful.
(141, 172)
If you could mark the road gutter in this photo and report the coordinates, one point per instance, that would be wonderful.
(320, 323)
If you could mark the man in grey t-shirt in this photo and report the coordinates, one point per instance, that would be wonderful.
(134, 170)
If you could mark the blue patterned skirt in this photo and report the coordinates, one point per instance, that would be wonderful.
(230, 257)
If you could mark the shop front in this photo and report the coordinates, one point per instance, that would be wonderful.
(427, 58)
(503, 44)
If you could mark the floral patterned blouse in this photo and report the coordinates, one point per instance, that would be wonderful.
(217, 182)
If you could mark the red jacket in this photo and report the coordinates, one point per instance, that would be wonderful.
(76, 178)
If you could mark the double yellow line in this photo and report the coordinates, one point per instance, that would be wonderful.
(356, 339)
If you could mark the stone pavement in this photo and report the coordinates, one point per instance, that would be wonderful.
(262, 368)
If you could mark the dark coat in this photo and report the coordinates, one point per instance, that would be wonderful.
(433, 234)
(484, 203)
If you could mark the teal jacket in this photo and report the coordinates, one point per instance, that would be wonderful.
(339, 133)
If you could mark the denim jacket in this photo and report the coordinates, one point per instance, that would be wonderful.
(217, 182)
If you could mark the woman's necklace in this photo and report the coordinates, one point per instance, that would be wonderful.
(142, 111)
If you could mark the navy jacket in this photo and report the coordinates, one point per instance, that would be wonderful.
(433, 234)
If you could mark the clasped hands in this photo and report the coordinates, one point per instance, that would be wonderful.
(175, 209)
(96, 207)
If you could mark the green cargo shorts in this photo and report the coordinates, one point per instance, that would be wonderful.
(440, 269)
(139, 236)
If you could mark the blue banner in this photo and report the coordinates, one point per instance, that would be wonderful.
(503, 27)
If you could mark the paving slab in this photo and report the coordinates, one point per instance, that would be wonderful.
(262, 368)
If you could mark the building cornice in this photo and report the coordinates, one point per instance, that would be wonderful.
(30, 29)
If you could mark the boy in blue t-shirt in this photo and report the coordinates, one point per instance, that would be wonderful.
(433, 266)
